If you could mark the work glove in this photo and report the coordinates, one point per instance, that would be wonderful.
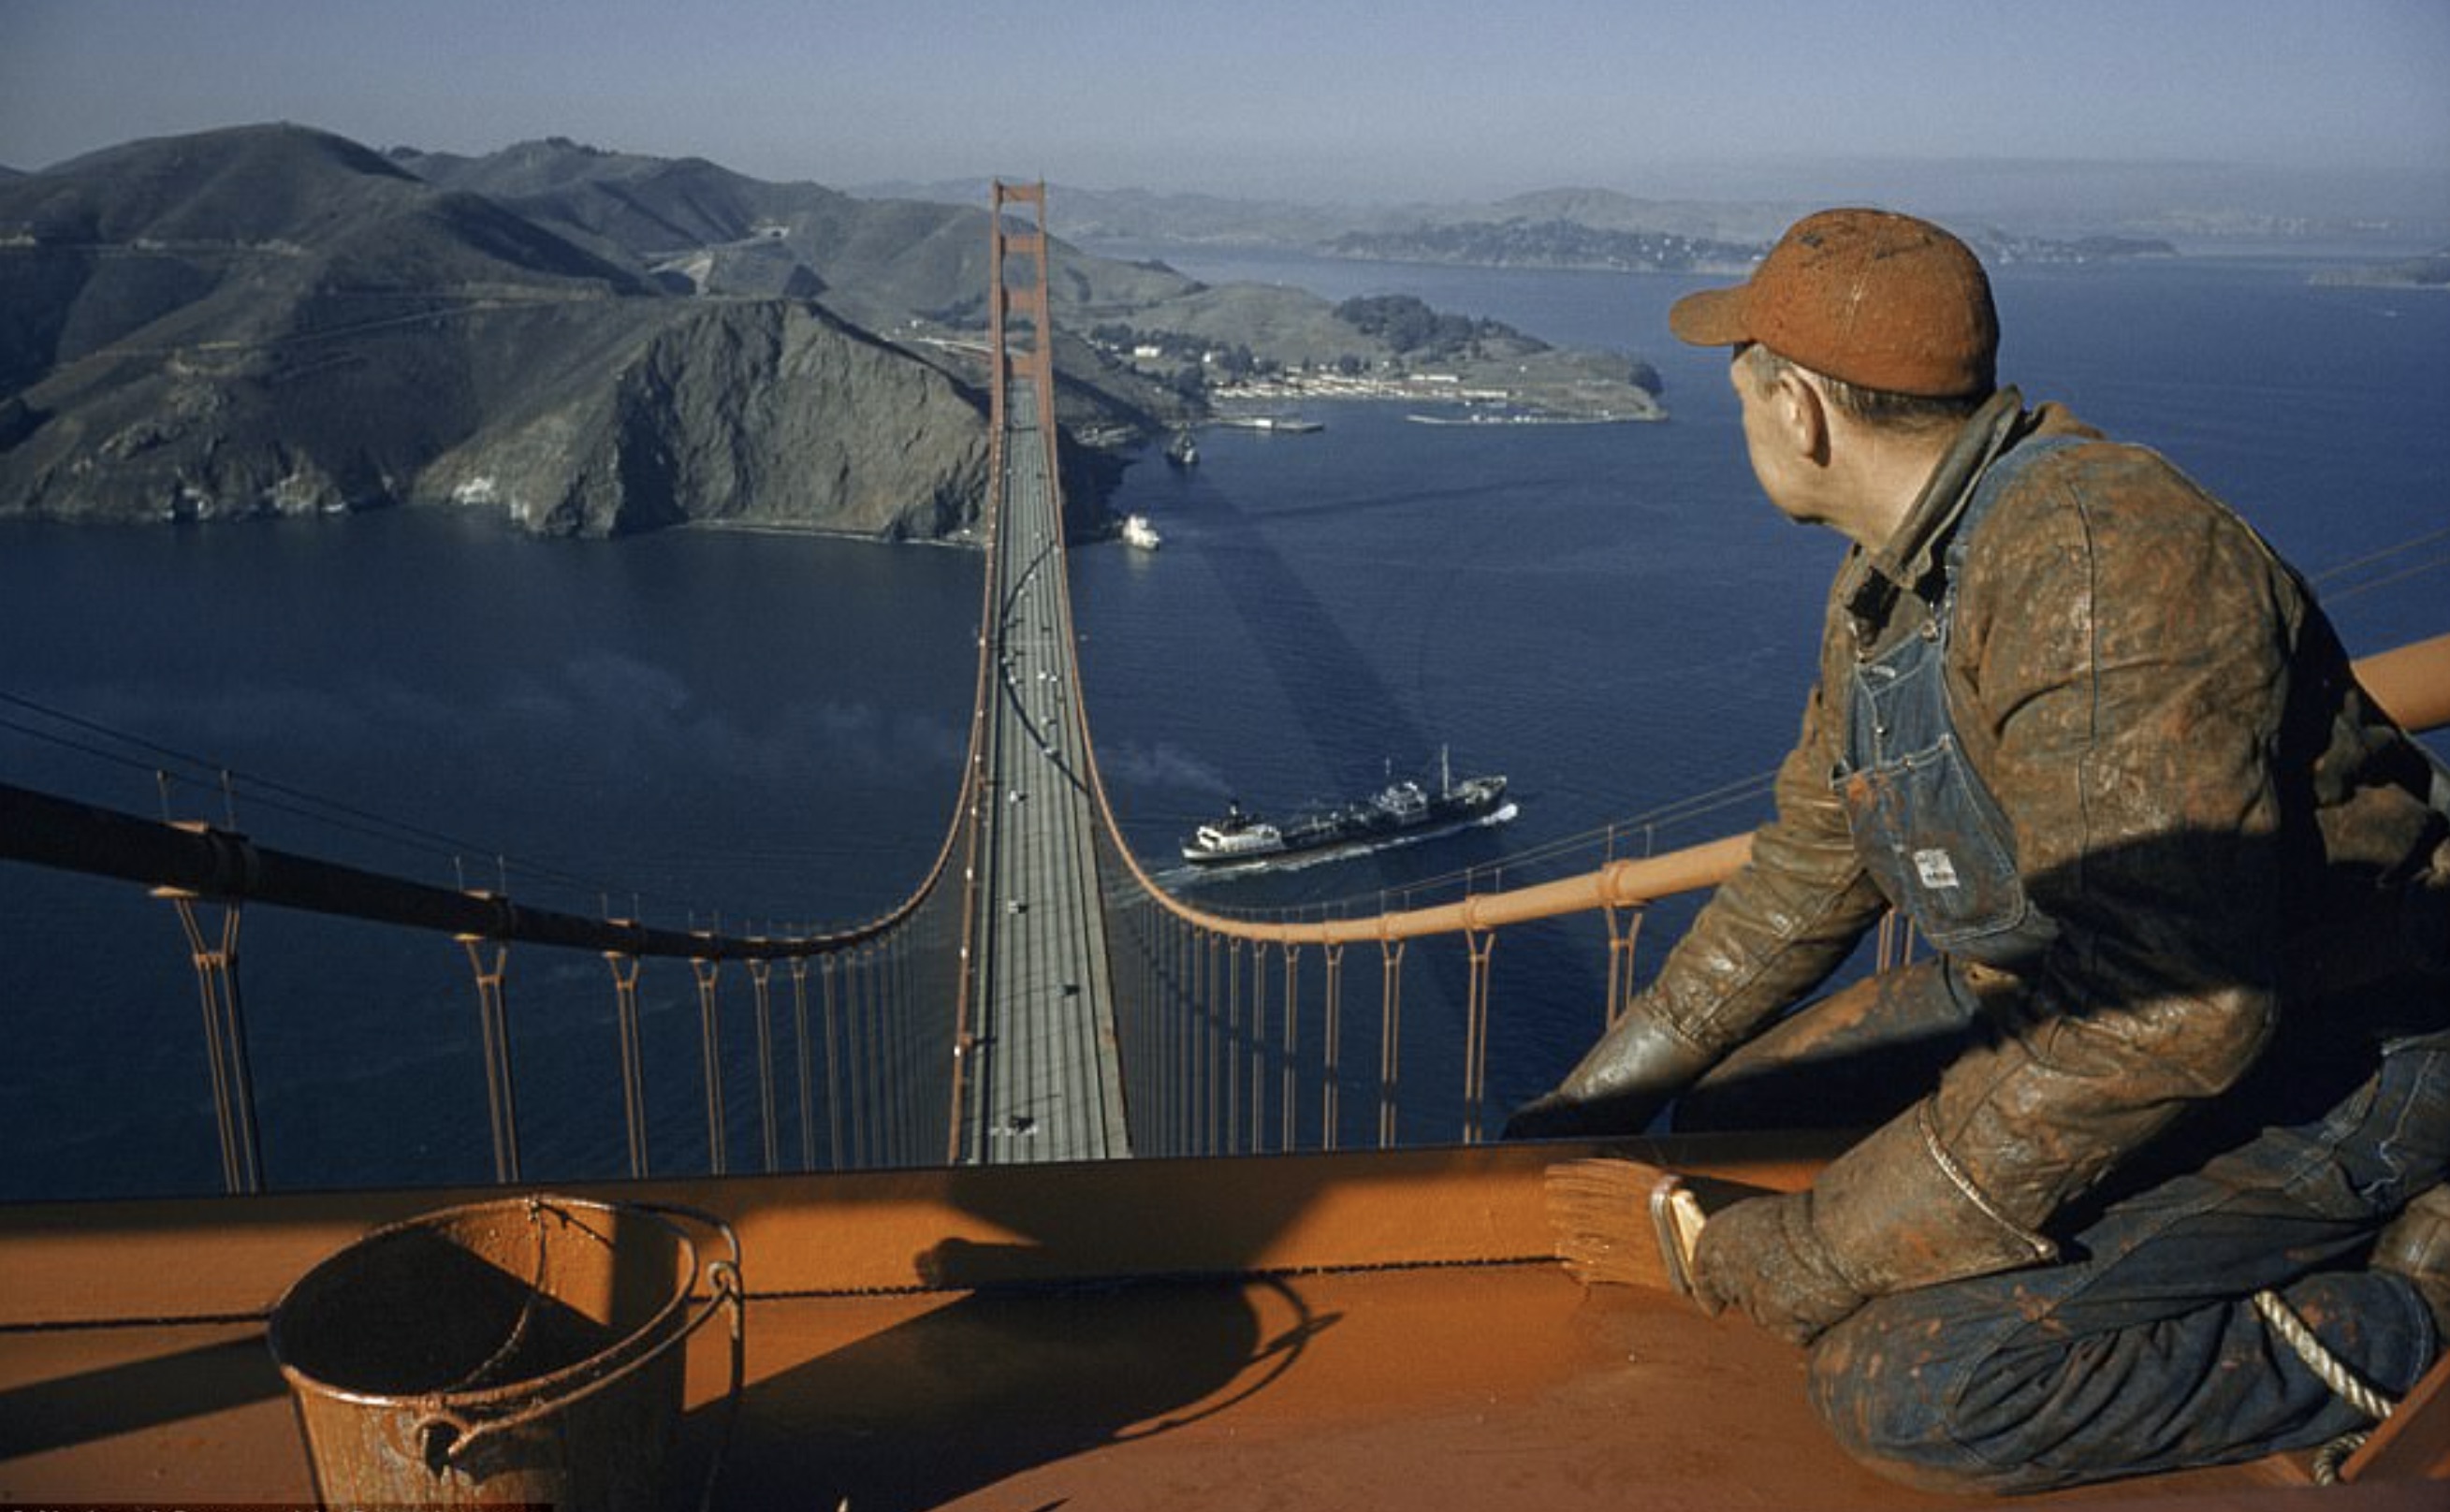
(1555, 1115)
(1763, 1256)
(1619, 1085)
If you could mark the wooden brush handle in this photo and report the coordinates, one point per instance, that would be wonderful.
(1676, 1213)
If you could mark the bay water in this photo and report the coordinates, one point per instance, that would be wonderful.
(764, 731)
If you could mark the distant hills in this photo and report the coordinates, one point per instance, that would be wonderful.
(275, 320)
(1586, 228)
(1198, 220)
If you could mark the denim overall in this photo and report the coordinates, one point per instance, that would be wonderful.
(1924, 825)
(2141, 1350)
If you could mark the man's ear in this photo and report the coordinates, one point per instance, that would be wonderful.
(1802, 412)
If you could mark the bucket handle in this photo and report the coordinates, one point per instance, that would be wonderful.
(442, 1436)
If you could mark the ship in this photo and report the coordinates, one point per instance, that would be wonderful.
(1182, 451)
(1138, 532)
(1398, 809)
(1274, 424)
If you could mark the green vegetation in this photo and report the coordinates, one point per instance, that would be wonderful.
(1410, 328)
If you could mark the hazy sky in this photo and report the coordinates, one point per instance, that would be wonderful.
(1383, 99)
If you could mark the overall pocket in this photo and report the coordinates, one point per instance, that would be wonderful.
(1930, 836)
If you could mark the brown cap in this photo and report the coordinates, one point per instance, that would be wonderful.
(1878, 299)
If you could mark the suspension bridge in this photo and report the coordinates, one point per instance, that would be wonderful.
(1038, 997)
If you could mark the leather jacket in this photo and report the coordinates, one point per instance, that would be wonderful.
(2185, 776)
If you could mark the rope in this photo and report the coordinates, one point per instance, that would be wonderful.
(2333, 1372)
(2328, 1459)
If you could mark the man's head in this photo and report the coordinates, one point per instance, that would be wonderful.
(1861, 344)
(1880, 302)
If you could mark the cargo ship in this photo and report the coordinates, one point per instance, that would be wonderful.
(1398, 809)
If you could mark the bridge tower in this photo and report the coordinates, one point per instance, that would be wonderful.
(1020, 335)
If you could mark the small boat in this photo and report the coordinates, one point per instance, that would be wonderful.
(1138, 532)
(1396, 809)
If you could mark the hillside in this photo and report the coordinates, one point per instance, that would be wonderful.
(273, 319)
(700, 228)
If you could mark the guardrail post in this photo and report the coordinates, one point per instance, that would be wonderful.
(893, 1032)
(1621, 937)
(1233, 1046)
(854, 1058)
(761, 977)
(494, 1035)
(710, 1034)
(1335, 1035)
(1258, 1046)
(836, 1099)
(1183, 1011)
(1292, 1045)
(1390, 1035)
(216, 963)
(1482, 944)
(1209, 1144)
(798, 966)
(634, 1070)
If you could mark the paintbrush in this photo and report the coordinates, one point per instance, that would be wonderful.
(1624, 1223)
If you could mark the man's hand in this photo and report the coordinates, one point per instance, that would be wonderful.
(1763, 1255)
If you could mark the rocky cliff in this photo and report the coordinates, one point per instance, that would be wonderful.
(764, 412)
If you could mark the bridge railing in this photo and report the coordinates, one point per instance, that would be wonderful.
(870, 1007)
(1239, 1035)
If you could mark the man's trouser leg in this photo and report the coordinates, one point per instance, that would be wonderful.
(2142, 1350)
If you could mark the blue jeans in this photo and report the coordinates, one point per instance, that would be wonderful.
(2142, 1351)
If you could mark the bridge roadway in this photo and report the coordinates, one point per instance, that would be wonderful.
(1041, 1075)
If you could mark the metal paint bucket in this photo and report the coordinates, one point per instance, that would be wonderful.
(525, 1350)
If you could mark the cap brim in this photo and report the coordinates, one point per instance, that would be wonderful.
(1710, 317)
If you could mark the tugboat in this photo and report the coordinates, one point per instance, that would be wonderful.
(1398, 809)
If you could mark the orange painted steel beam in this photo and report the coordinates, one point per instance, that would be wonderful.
(937, 1228)
(2414, 1442)
(2411, 682)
